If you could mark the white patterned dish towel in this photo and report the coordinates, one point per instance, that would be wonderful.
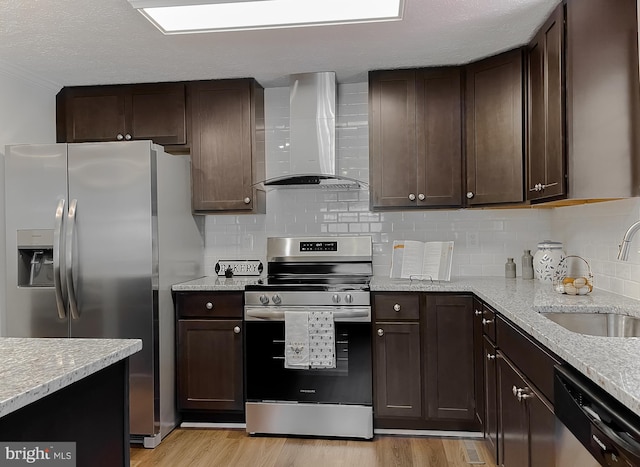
(322, 340)
(296, 340)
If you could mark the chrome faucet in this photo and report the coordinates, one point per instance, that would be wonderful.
(623, 252)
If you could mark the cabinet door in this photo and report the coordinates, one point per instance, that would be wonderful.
(95, 113)
(449, 383)
(157, 112)
(478, 361)
(494, 120)
(513, 435)
(397, 365)
(439, 137)
(223, 141)
(542, 423)
(392, 139)
(209, 358)
(490, 397)
(546, 161)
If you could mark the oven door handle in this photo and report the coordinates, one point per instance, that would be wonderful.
(258, 314)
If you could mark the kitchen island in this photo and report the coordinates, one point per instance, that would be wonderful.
(68, 390)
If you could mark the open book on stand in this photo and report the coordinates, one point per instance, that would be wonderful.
(421, 260)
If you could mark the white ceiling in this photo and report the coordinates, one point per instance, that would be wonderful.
(78, 42)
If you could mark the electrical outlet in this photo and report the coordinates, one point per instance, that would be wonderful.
(473, 240)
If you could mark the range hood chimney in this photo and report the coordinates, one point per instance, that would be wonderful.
(312, 126)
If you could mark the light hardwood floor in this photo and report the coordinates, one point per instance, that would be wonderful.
(234, 448)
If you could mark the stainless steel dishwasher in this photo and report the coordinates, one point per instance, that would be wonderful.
(592, 427)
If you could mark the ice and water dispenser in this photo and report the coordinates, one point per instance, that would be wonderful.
(35, 258)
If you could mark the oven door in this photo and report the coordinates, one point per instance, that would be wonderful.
(268, 380)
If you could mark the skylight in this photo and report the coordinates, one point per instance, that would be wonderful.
(193, 16)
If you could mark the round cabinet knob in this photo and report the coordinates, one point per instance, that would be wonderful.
(247, 200)
(486, 321)
(412, 197)
(209, 306)
(380, 332)
(490, 357)
(335, 298)
(478, 312)
(470, 194)
(515, 390)
(127, 137)
(348, 298)
(263, 299)
(421, 197)
(119, 137)
(276, 299)
(236, 330)
(396, 307)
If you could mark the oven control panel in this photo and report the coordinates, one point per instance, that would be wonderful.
(318, 246)
(308, 298)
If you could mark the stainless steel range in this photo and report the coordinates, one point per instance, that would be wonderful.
(308, 339)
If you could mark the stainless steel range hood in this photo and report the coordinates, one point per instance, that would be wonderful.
(312, 126)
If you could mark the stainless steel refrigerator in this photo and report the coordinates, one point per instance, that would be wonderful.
(96, 234)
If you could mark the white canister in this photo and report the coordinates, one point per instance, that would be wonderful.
(547, 261)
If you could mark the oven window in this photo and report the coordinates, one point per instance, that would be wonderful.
(268, 379)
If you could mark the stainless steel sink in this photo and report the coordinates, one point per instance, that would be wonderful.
(597, 324)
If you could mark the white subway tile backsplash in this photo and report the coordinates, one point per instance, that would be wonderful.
(592, 230)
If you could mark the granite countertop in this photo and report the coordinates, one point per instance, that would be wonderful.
(611, 362)
(216, 283)
(32, 368)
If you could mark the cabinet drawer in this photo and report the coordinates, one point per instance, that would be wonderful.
(396, 306)
(489, 323)
(209, 304)
(535, 362)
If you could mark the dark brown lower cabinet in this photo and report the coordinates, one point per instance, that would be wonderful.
(397, 376)
(210, 364)
(209, 356)
(449, 367)
(490, 425)
(527, 421)
(424, 361)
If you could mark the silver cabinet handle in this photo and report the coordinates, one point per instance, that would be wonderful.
(119, 137)
(57, 244)
(396, 307)
(470, 194)
(524, 394)
(514, 390)
(247, 200)
(421, 197)
(71, 224)
(478, 312)
(127, 137)
(380, 332)
(412, 197)
(486, 321)
(490, 357)
(209, 306)
(236, 330)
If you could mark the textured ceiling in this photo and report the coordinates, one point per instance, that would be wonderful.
(76, 42)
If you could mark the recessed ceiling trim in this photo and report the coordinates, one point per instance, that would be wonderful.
(239, 15)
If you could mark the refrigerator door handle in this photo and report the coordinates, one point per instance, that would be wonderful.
(57, 244)
(71, 224)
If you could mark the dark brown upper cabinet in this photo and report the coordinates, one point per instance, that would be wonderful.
(415, 138)
(494, 130)
(227, 145)
(154, 111)
(603, 99)
(546, 161)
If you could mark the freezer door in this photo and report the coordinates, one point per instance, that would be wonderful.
(110, 242)
(35, 186)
